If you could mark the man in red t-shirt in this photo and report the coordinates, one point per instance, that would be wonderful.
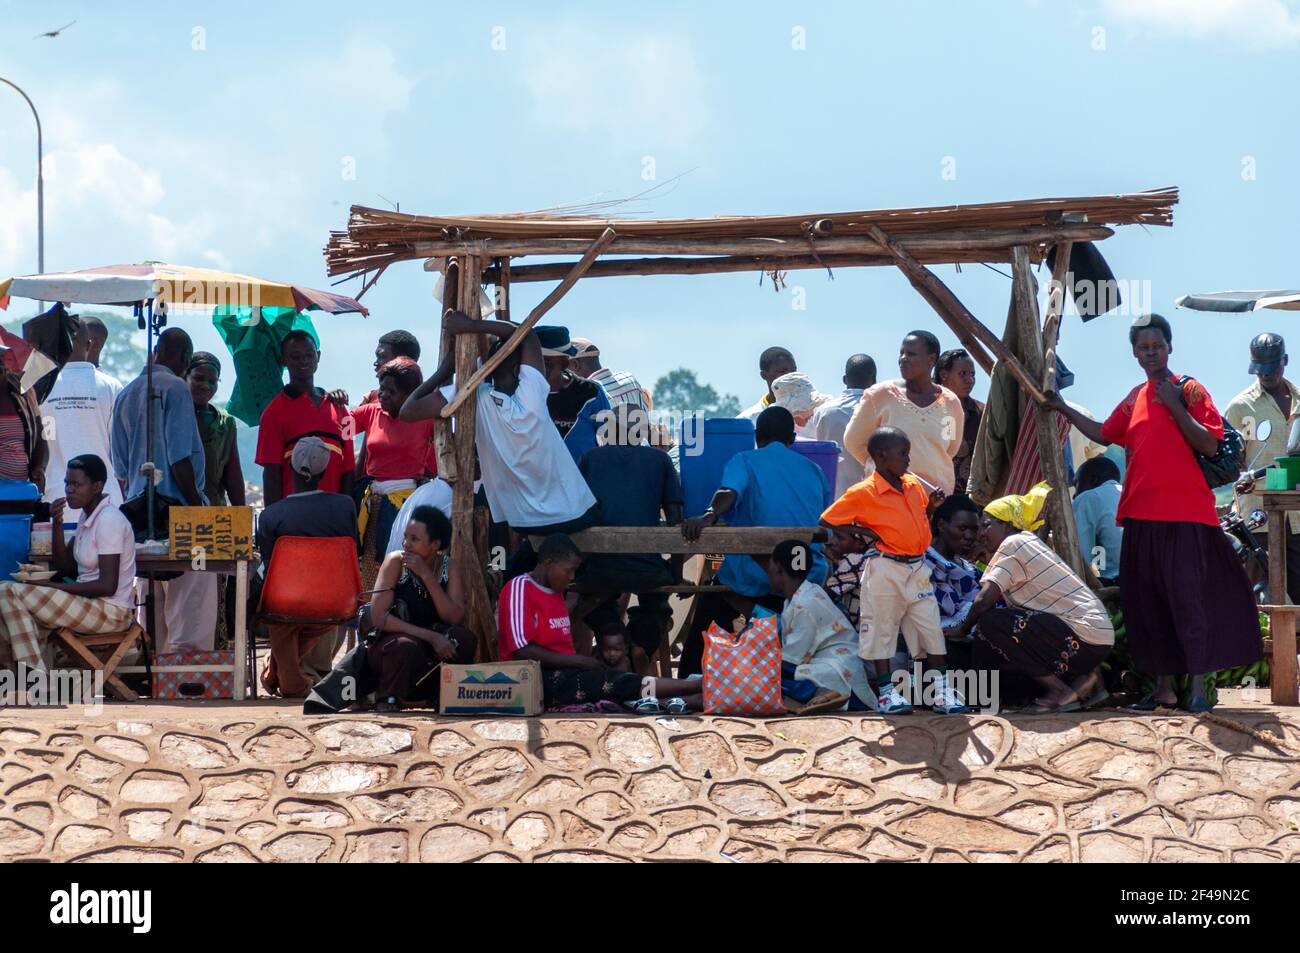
(533, 623)
(302, 409)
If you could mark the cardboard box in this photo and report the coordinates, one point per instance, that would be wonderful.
(491, 688)
(191, 676)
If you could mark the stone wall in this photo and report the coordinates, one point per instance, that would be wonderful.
(258, 784)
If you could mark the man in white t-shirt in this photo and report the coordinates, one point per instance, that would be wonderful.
(78, 418)
(530, 478)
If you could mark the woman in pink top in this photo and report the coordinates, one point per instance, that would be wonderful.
(931, 415)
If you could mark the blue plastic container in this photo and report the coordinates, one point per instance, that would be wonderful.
(704, 453)
(824, 453)
(17, 499)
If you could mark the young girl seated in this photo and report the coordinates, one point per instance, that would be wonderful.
(819, 649)
(612, 647)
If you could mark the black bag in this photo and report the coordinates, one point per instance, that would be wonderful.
(1229, 461)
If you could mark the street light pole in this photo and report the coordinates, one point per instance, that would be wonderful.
(40, 181)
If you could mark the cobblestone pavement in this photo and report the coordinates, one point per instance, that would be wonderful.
(231, 783)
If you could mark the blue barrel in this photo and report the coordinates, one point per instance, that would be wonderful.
(824, 453)
(703, 454)
(17, 500)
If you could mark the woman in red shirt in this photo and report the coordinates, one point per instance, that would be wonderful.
(394, 459)
(1187, 602)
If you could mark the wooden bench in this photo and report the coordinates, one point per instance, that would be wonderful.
(757, 541)
(114, 645)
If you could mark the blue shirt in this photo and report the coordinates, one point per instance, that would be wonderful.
(633, 485)
(175, 437)
(1099, 537)
(582, 435)
(774, 486)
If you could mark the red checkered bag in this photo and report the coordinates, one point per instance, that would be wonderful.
(742, 673)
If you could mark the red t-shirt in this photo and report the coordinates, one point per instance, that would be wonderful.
(395, 450)
(529, 614)
(1162, 480)
(288, 418)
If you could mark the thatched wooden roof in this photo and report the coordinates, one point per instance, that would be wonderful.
(376, 238)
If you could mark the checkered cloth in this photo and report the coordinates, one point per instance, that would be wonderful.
(845, 585)
(29, 613)
(742, 673)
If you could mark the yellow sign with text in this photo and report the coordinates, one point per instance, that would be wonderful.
(210, 532)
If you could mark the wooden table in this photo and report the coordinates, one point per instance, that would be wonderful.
(146, 564)
(1282, 617)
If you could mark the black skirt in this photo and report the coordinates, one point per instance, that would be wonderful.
(1038, 644)
(1188, 604)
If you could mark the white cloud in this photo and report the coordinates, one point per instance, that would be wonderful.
(645, 89)
(1257, 22)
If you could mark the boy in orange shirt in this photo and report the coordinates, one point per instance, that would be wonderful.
(892, 510)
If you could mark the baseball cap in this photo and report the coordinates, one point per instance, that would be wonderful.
(1266, 353)
(583, 347)
(310, 457)
(554, 340)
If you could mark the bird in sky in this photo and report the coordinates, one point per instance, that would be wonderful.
(53, 33)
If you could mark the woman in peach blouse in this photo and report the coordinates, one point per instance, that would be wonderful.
(931, 415)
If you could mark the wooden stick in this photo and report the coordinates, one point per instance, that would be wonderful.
(932, 243)
(632, 267)
(1065, 536)
(491, 364)
(954, 312)
(1055, 311)
(443, 446)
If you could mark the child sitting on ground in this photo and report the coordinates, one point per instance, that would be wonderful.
(612, 647)
(891, 510)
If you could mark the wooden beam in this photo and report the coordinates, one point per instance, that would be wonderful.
(1065, 536)
(668, 540)
(930, 243)
(1055, 310)
(954, 312)
(468, 550)
(442, 439)
(473, 379)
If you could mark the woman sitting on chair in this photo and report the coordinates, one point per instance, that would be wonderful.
(101, 559)
(418, 606)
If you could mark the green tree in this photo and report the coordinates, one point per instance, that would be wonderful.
(123, 354)
(681, 390)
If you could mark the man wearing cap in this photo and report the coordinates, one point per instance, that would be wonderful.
(574, 401)
(796, 393)
(1275, 399)
(308, 511)
(619, 386)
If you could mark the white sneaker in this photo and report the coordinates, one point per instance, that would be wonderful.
(893, 703)
(947, 700)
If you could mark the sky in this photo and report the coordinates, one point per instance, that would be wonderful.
(238, 136)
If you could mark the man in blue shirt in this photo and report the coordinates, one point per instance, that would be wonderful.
(177, 447)
(1096, 501)
(769, 486)
(186, 620)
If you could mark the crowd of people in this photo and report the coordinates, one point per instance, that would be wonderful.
(915, 570)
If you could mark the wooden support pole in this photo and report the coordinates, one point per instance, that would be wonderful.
(955, 313)
(473, 379)
(442, 441)
(1055, 310)
(1029, 338)
(469, 553)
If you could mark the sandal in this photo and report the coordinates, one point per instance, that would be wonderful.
(1064, 709)
(1097, 699)
(1150, 703)
(1199, 706)
(825, 700)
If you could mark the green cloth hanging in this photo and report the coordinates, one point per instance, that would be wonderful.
(254, 344)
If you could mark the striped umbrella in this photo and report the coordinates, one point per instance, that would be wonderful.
(180, 286)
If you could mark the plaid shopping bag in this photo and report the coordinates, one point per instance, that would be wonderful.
(742, 673)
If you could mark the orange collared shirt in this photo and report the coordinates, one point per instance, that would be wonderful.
(898, 518)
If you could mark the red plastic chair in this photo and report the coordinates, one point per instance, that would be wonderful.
(312, 580)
